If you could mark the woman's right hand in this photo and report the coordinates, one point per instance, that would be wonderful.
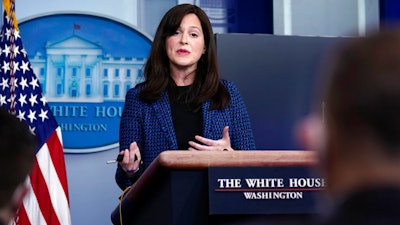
(132, 159)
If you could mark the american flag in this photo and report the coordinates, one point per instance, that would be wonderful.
(20, 92)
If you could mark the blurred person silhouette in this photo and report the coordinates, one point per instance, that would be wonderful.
(17, 147)
(358, 140)
(182, 104)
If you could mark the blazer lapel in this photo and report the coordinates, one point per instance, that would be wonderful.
(213, 122)
(162, 110)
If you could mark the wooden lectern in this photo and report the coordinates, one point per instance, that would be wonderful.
(174, 188)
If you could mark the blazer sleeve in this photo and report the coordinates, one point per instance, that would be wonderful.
(129, 131)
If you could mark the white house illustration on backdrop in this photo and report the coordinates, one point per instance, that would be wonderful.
(75, 70)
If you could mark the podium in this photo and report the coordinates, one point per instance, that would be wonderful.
(175, 189)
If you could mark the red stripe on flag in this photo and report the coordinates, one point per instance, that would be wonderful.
(57, 156)
(42, 195)
(23, 217)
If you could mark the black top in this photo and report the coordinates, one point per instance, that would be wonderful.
(187, 123)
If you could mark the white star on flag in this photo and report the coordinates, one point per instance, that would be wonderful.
(4, 83)
(32, 99)
(34, 83)
(3, 100)
(22, 99)
(23, 83)
(24, 67)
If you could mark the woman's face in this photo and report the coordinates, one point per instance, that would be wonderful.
(186, 46)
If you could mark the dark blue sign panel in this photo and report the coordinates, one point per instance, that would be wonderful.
(277, 77)
(263, 190)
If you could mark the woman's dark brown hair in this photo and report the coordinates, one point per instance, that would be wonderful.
(206, 85)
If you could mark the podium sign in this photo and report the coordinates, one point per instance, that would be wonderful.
(263, 190)
(198, 188)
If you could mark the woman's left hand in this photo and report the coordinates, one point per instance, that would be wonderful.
(206, 144)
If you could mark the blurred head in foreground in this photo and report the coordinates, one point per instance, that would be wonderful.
(358, 140)
(17, 147)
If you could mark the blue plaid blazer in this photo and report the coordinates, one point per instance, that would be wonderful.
(151, 126)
